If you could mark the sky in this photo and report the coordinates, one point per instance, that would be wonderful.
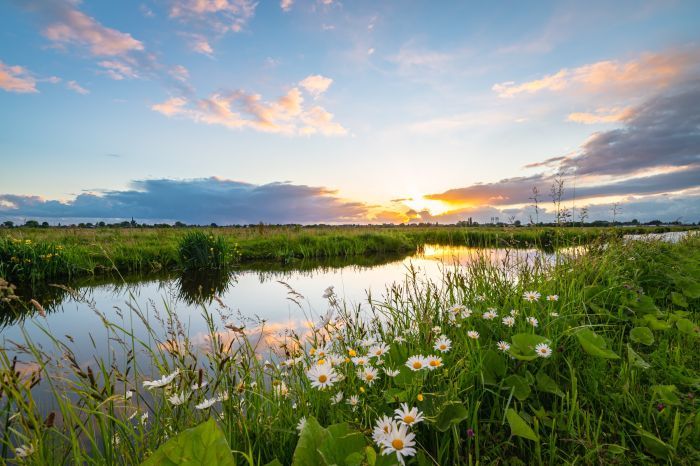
(327, 111)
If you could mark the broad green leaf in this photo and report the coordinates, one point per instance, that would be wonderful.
(203, 444)
(547, 384)
(341, 444)
(395, 395)
(519, 427)
(519, 385)
(644, 305)
(311, 438)
(274, 462)
(493, 367)
(686, 326)
(354, 459)
(666, 394)
(655, 324)
(523, 346)
(655, 446)
(636, 360)
(371, 456)
(689, 287)
(642, 335)
(453, 412)
(594, 344)
(678, 299)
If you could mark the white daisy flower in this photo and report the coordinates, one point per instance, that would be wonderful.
(301, 424)
(144, 417)
(437, 329)
(323, 376)
(399, 339)
(280, 389)
(532, 321)
(408, 416)
(508, 321)
(353, 401)
(503, 345)
(479, 297)
(490, 314)
(206, 403)
(514, 312)
(197, 386)
(177, 399)
(24, 451)
(337, 398)
(434, 362)
(443, 344)
(400, 441)
(552, 297)
(379, 350)
(531, 296)
(360, 360)
(382, 428)
(128, 394)
(416, 363)
(543, 350)
(368, 374)
(391, 372)
(162, 382)
(473, 334)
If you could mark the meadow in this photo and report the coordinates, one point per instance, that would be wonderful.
(590, 359)
(36, 254)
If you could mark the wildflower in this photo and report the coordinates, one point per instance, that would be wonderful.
(391, 372)
(490, 314)
(660, 407)
(128, 394)
(206, 403)
(470, 432)
(301, 424)
(400, 441)
(177, 399)
(337, 398)
(362, 389)
(416, 363)
(368, 342)
(328, 292)
(543, 350)
(420, 397)
(24, 451)
(457, 309)
(479, 297)
(197, 386)
(322, 351)
(322, 376)
(437, 329)
(554, 314)
(399, 339)
(473, 334)
(503, 345)
(379, 350)
(508, 321)
(280, 388)
(552, 297)
(144, 417)
(352, 353)
(353, 401)
(162, 382)
(443, 344)
(368, 374)
(408, 416)
(531, 296)
(434, 362)
(514, 312)
(382, 428)
(532, 321)
(360, 361)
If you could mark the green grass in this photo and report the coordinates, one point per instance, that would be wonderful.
(35, 254)
(620, 386)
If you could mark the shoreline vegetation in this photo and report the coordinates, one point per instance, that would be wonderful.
(588, 359)
(35, 254)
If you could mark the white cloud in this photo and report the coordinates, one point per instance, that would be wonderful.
(16, 79)
(316, 84)
(74, 86)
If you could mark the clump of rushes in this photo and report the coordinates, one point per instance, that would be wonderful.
(201, 251)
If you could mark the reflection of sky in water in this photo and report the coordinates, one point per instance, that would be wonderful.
(253, 294)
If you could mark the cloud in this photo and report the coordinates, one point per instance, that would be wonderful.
(601, 115)
(647, 72)
(200, 201)
(16, 79)
(198, 43)
(316, 84)
(117, 70)
(286, 5)
(241, 109)
(221, 15)
(75, 87)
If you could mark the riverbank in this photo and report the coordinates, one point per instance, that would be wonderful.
(30, 254)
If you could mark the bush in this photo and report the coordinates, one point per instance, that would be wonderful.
(200, 251)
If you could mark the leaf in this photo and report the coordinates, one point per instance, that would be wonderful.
(311, 438)
(523, 346)
(655, 324)
(274, 462)
(690, 287)
(453, 412)
(519, 427)
(642, 335)
(547, 384)
(636, 360)
(519, 385)
(644, 305)
(686, 326)
(678, 299)
(203, 444)
(342, 444)
(655, 446)
(493, 367)
(396, 395)
(666, 394)
(594, 344)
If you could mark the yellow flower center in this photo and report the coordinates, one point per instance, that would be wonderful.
(321, 362)
(352, 353)
(408, 419)
(420, 397)
(417, 365)
(369, 376)
(397, 443)
(435, 363)
(443, 347)
(322, 378)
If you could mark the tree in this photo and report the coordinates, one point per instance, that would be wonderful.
(31, 223)
(8, 224)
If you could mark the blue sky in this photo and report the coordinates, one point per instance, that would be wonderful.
(336, 110)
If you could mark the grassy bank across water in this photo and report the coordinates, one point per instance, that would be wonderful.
(589, 360)
(28, 254)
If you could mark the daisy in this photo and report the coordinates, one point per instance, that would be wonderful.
(437, 329)
(197, 386)
(322, 376)
(379, 350)
(514, 312)
(554, 314)
(206, 403)
(434, 362)
(337, 398)
(473, 334)
(328, 292)
(443, 344)
(399, 339)
(490, 314)
(382, 428)
(508, 321)
(531, 296)
(391, 372)
(552, 297)
(279, 389)
(177, 399)
(360, 361)
(162, 382)
(353, 401)
(457, 309)
(532, 321)
(503, 345)
(408, 416)
(416, 363)
(24, 451)
(323, 351)
(301, 424)
(399, 441)
(128, 394)
(543, 350)
(369, 374)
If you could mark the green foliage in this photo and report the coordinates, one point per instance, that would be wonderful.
(204, 444)
(519, 427)
(594, 344)
(642, 335)
(201, 251)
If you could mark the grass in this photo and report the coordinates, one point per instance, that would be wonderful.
(619, 387)
(36, 254)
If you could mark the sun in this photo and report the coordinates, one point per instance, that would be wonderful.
(418, 202)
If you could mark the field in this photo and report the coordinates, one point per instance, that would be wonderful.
(35, 254)
(589, 360)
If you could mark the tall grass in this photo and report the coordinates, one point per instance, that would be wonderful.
(619, 387)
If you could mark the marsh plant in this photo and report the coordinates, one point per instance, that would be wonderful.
(199, 250)
(591, 359)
